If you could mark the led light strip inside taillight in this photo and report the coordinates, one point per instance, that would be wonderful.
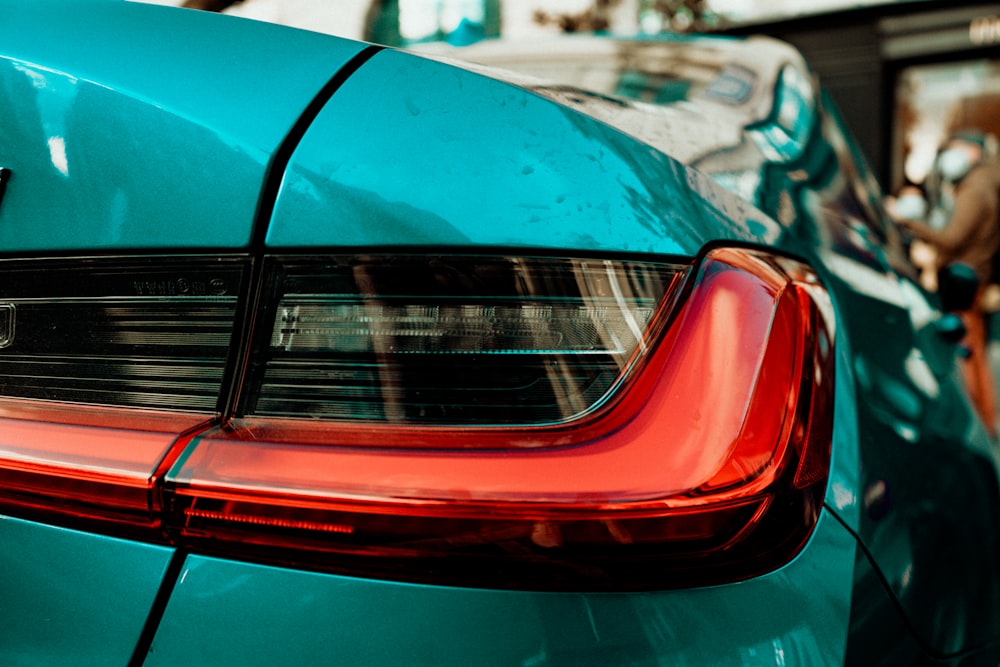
(704, 459)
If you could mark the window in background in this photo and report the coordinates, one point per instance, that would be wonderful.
(936, 100)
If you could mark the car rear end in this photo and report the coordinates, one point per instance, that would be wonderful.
(337, 358)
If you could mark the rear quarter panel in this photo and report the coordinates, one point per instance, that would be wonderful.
(133, 126)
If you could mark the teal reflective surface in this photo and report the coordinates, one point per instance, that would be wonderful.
(227, 613)
(72, 598)
(913, 473)
(413, 152)
(921, 494)
(159, 137)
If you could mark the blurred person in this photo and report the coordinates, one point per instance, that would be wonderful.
(971, 236)
(910, 203)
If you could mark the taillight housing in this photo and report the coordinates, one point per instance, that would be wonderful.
(681, 435)
(479, 420)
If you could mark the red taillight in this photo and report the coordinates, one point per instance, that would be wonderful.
(85, 463)
(501, 422)
(708, 463)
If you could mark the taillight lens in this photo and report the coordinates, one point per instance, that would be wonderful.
(125, 333)
(104, 364)
(87, 464)
(454, 339)
(462, 440)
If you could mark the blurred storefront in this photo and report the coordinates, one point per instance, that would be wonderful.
(941, 87)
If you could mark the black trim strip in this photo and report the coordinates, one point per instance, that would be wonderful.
(159, 607)
(4, 177)
(246, 318)
(282, 156)
(245, 321)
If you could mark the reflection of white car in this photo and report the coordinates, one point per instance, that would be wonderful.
(659, 88)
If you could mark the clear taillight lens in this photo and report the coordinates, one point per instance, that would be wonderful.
(126, 333)
(455, 339)
(701, 456)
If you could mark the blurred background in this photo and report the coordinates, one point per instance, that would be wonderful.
(421, 20)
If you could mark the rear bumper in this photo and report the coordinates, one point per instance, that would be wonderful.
(230, 613)
(73, 598)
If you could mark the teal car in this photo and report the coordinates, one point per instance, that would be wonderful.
(319, 352)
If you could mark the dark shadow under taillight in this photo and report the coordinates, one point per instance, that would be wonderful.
(523, 422)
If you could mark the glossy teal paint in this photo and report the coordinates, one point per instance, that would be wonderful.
(918, 482)
(72, 598)
(413, 152)
(128, 125)
(227, 613)
(927, 474)
(842, 490)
